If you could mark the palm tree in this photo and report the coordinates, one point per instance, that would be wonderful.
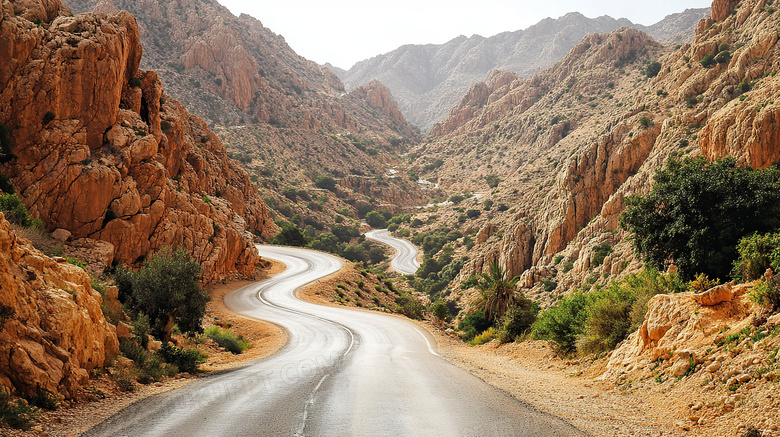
(498, 293)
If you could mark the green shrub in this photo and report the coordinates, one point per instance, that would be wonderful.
(608, 320)
(645, 121)
(44, 399)
(15, 211)
(16, 413)
(133, 351)
(563, 323)
(154, 370)
(226, 339)
(600, 252)
(472, 213)
(473, 324)
(376, 220)
(187, 360)
(325, 182)
(502, 207)
(708, 61)
(744, 86)
(439, 310)
(456, 198)
(558, 259)
(549, 285)
(766, 293)
(409, 306)
(492, 181)
(135, 82)
(124, 379)
(290, 235)
(518, 319)
(484, 337)
(697, 212)
(757, 253)
(598, 321)
(567, 266)
(652, 69)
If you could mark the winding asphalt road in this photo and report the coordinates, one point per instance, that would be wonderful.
(405, 259)
(343, 373)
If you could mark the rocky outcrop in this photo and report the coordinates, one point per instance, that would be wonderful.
(391, 194)
(722, 9)
(104, 153)
(680, 330)
(497, 85)
(378, 97)
(52, 330)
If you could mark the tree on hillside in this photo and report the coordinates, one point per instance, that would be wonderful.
(498, 292)
(290, 235)
(697, 211)
(167, 289)
(376, 220)
(325, 182)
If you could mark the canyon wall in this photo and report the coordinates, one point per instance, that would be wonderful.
(101, 150)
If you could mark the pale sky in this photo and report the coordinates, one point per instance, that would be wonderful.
(344, 32)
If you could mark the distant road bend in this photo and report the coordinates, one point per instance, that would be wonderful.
(405, 259)
(343, 373)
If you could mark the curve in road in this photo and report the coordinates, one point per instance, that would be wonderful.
(343, 373)
(405, 259)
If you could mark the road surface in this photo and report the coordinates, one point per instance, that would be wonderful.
(343, 373)
(405, 259)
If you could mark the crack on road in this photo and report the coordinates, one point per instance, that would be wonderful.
(302, 430)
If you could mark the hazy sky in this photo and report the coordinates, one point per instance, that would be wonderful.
(343, 32)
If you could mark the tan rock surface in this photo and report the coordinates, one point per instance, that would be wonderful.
(53, 332)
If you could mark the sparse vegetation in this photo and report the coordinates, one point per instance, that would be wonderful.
(16, 413)
(598, 321)
(225, 338)
(15, 212)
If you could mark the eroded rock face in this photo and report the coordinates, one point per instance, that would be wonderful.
(103, 153)
(674, 324)
(52, 331)
(722, 8)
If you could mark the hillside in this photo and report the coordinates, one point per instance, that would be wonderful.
(568, 150)
(427, 80)
(98, 149)
(284, 117)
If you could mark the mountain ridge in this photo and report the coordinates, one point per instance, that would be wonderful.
(427, 80)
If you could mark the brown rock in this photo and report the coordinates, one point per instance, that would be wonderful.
(716, 295)
(123, 330)
(722, 9)
(53, 331)
(61, 234)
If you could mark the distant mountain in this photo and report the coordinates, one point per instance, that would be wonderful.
(428, 80)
